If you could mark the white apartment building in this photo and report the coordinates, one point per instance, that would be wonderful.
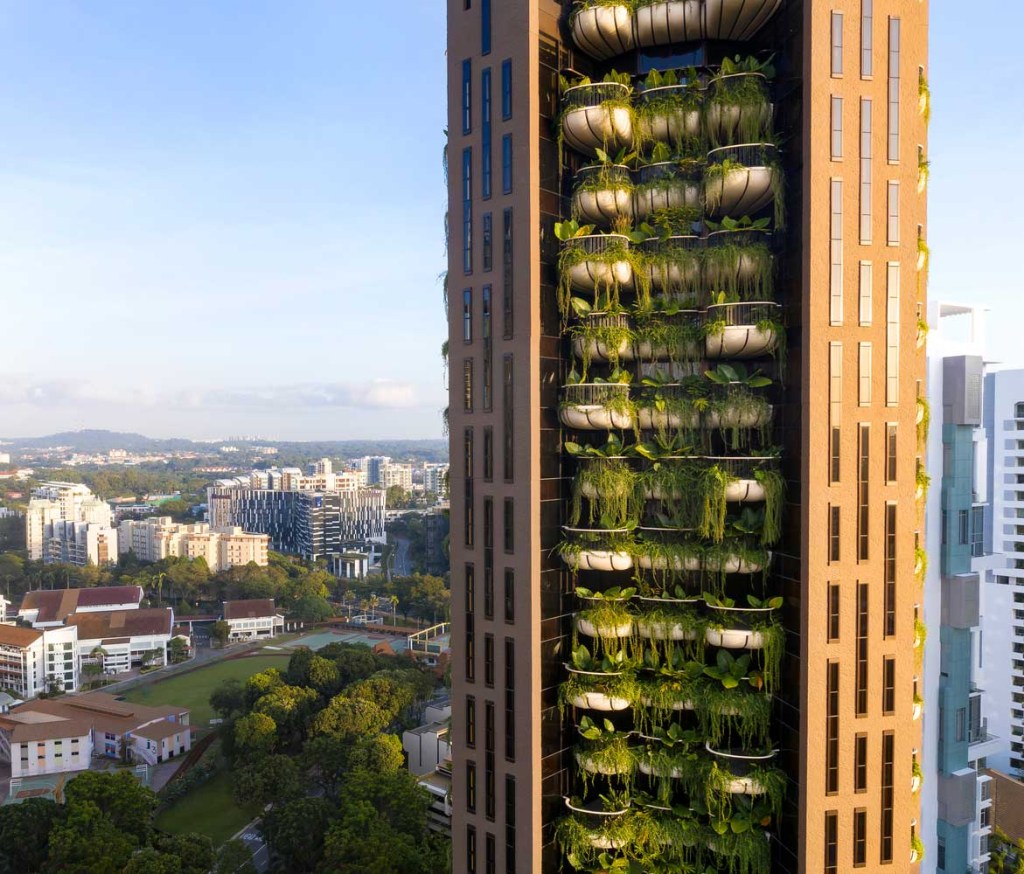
(396, 475)
(66, 523)
(31, 659)
(222, 548)
(251, 619)
(435, 479)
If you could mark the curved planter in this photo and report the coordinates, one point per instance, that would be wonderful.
(587, 763)
(595, 349)
(663, 563)
(734, 638)
(678, 706)
(740, 784)
(649, 419)
(650, 770)
(663, 186)
(603, 31)
(669, 22)
(740, 191)
(605, 201)
(727, 121)
(915, 783)
(590, 122)
(737, 20)
(918, 710)
(741, 337)
(746, 257)
(585, 626)
(668, 269)
(600, 560)
(595, 274)
(584, 417)
(600, 701)
(664, 631)
(667, 123)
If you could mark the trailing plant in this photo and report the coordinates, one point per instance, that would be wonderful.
(616, 685)
(664, 334)
(924, 418)
(739, 717)
(920, 634)
(774, 485)
(569, 550)
(677, 95)
(722, 804)
(738, 843)
(692, 493)
(670, 765)
(773, 643)
(572, 100)
(740, 265)
(915, 770)
(610, 332)
(608, 611)
(738, 105)
(922, 481)
(920, 562)
(916, 847)
(609, 486)
(924, 97)
(922, 332)
(661, 620)
(631, 833)
(923, 254)
(604, 751)
(580, 246)
(661, 695)
(923, 172)
(718, 170)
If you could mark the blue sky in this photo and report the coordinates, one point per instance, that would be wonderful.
(225, 217)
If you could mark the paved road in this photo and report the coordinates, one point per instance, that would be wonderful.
(400, 566)
(250, 836)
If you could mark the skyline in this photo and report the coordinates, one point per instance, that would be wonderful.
(191, 221)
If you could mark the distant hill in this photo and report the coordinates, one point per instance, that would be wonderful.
(101, 441)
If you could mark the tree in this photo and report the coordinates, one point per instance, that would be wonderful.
(381, 755)
(431, 598)
(327, 757)
(268, 780)
(234, 858)
(349, 718)
(12, 567)
(152, 861)
(255, 735)
(290, 707)
(297, 672)
(312, 608)
(228, 698)
(220, 632)
(393, 601)
(123, 800)
(260, 683)
(87, 840)
(323, 675)
(24, 833)
(193, 851)
(389, 694)
(177, 650)
(295, 832)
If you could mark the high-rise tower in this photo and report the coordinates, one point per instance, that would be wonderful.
(687, 269)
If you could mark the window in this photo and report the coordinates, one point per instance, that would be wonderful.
(470, 831)
(833, 612)
(470, 721)
(961, 724)
(832, 731)
(888, 686)
(866, 40)
(489, 801)
(488, 453)
(861, 692)
(470, 589)
(506, 277)
(864, 374)
(888, 756)
(863, 491)
(837, 44)
(890, 452)
(467, 96)
(489, 659)
(831, 842)
(865, 293)
(833, 533)
(506, 163)
(860, 763)
(509, 525)
(467, 385)
(507, 455)
(892, 233)
(894, 89)
(467, 442)
(892, 334)
(506, 89)
(860, 837)
(471, 787)
(510, 595)
(510, 699)
(963, 527)
(490, 859)
(485, 27)
(835, 398)
(837, 128)
(865, 171)
(488, 589)
(470, 647)
(836, 254)
(485, 133)
(488, 244)
(488, 523)
(467, 210)
(510, 822)
(467, 315)
(890, 570)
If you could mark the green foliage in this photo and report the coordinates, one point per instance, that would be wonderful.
(351, 718)
(255, 734)
(295, 832)
(234, 858)
(24, 832)
(267, 779)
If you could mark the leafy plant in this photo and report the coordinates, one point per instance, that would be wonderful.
(730, 670)
(736, 374)
(717, 171)
(738, 107)
(604, 751)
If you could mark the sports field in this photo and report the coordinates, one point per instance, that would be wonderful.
(192, 689)
(209, 810)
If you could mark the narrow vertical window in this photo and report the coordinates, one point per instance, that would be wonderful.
(892, 225)
(865, 171)
(888, 686)
(894, 89)
(836, 254)
(489, 660)
(860, 763)
(831, 842)
(508, 439)
(506, 163)
(835, 408)
(892, 334)
(485, 27)
(470, 647)
(506, 89)
(863, 490)
(488, 586)
(468, 480)
(510, 699)
(890, 452)
(890, 570)
(489, 782)
(837, 128)
(488, 453)
(470, 588)
(864, 374)
(510, 595)
(467, 385)
(470, 836)
(887, 795)
(467, 210)
(833, 612)
(470, 721)
(866, 282)
(485, 133)
(861, 691)
(832, 730)
(866, 38)
(510, 822)
(471, 787)
(506, 273)
(467, 315)
(490, 853)
(488, 244)
(837, 44)
(833, 533)
(860, 838)
(467, 96)
(509, 525)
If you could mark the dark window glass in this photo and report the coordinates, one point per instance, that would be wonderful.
(506, 273)
(832, 731)
(835, 450)
(489, 659)
(860, 763)
(485, 310)
(490, 854)
(833, 533)
(467, 96)
(509, 525)
(890, 570)
(508, 437)
(488, 592)
(888, 686)
(831, 842)
(485, 133)
(833, 612)
(467, 315)
(506, 89)
(485, 27)
(470, 647)
(510, 823)
(863, 492)
(470, 831)
(488, 523)
(469, 496)
(467, 385)
(510, 595)
(488, 244)
(860, 838)
(887, 793)
(471, 787)
(890, 453)
(963, 527)
(510, 696)
(467, 210)
(488, 453)
(470, 721)
(470, 588)
(861, 697)
(506, 163)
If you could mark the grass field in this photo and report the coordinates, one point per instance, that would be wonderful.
(209, 810)
(192, 690)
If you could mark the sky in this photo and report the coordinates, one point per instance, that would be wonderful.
(222, 218)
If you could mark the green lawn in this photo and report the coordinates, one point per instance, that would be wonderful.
(209, 810)
(192, 690)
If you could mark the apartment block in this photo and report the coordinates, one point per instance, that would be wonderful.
(687, 269)
(222, 548)
(66, 523)
(32, 660)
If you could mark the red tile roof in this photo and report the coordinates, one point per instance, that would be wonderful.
(113, 624)
(55, 605)
(256, 608)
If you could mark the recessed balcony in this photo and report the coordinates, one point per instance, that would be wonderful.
(740, 262)
(740, 772)
(667, 185)
(673, 265)
(669, 114)
(667, 22)
(742, 180)
(597, 263)
(603, 337)
(596, 116)
(602, 30)
(603, 194)
(602, 691)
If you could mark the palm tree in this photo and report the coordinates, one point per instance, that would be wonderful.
(393, 601)
(374, 603)
(348, 596)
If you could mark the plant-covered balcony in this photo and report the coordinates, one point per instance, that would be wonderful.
(742, 772)
(668, 621)
(602, 29)
(605, 484)
(596, 549)
(600, 336)
(738, 259)
(668, 111)
(736, 712)
(601, 265)
(672, 266)
(743, 179)
(598, 115)
(748, 329)
(605, 617)
(665, 555)
(738, 105)
(736, 20)
(669, 685)
(667, 22)
(667, 182)
(604, 751)
(668, 333)
(606, 685)
(603, 192)
(752, 626)
(597, 406)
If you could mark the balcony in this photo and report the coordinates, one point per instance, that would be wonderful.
(603, 194)
(742, 180)
(743, 330)
(602, 31)
(597, 116)
(980, 743)
(667, 22)
(667, 185)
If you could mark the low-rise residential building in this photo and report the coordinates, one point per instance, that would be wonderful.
(221, 547)
(119, 640)
(32, 660)
(50, 608)
(257, 617)
(58, 735)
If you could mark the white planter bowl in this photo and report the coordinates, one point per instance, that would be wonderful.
(663, 563)
(678, 707)
(664, 631)
(670, 126)
(669, 22)
(597, 351)
(594, 417)
(741, 191)
(591, 767)
(740, 341)
(589, 128)
(603, 31)
(585, 626)
(671, 275)
(723, 119)
(593, 274)
(651, 771)
(600, 701)
(737, 20)
(674, 194)
(744, 491)
(603, 206)
(601, 560)
(734, 638)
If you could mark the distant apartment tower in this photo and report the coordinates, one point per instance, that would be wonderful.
(435, 479)
(88, 537)
(789, 204)
(222, 548)
(396, 475)
(372, 466)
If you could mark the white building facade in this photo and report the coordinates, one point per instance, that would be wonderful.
(66, 523)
